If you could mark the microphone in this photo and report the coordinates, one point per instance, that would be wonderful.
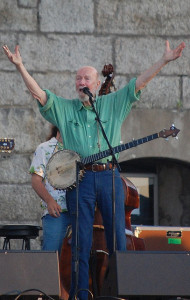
(87, 92)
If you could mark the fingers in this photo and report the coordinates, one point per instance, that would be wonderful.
(167, 45)
(183, 45)
(17, 50)
(173, 54)
(8, 52)
(6, 49)
(180, 48)
(55, 214)
(55, 211)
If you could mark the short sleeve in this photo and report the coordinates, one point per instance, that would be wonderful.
(38, 163)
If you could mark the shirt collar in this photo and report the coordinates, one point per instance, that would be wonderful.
(53, 140)
(79, 105)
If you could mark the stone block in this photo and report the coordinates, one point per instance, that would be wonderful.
(13, 90)
(18, 123)
(64, 52)
(41, 128)
(162, 92)
(66, 16)
(121, 81)
(27, 3)
(17, 18)
(147, 17)
(62, 84)
(14, 168)
(19, 203)
(186, 92)
(143, 122)
(135, 55)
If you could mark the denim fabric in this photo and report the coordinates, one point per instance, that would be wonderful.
(54, 230)
(95, 187)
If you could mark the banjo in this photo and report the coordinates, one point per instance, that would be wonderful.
(61, 167)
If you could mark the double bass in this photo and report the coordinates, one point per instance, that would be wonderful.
(99, 255)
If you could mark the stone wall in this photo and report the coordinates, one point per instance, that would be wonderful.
(57, 37)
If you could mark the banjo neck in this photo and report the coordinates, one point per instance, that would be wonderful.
(173, 131)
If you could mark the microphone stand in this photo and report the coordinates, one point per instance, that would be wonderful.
(114, 162)
(76, 255)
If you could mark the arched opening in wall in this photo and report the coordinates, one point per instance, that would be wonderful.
(164, 188)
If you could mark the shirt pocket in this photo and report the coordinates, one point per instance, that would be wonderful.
(75, 129)
(105, 123)
(75, 124)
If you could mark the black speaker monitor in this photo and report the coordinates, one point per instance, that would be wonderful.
(145, 273)
(23, 270)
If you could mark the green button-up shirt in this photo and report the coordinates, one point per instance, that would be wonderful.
(78, 126)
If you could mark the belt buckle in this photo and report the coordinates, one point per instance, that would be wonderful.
(93, 166)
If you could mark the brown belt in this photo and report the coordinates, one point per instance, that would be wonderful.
(98, 167)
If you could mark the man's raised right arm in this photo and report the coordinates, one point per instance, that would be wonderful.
(30, 83)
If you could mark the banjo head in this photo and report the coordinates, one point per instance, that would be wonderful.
(61, 169)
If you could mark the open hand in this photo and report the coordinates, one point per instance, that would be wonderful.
(15, 58)
(170, 54)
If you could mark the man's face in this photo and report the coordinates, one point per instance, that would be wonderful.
(86, 77)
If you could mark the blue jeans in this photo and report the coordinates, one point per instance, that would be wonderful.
(54, 230)
(95, 187)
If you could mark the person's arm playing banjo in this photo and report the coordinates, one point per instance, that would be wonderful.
(30, 83)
